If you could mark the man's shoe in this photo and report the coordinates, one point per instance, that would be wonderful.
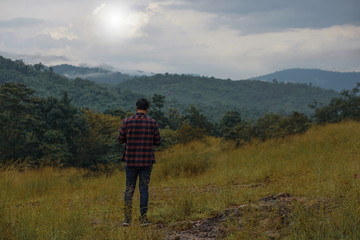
(126, 223)
(144, 221)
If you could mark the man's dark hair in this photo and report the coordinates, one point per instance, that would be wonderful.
(142, 104)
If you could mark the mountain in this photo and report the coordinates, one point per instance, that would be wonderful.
(96, 74)
(84, 93)
(337, 81)
(212, 96)
(252, 98)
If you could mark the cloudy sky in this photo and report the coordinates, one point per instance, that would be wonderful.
(234, 39)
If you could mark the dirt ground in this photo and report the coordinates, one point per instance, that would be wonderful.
(270, 215)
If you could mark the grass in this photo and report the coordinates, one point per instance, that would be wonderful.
(197, 181)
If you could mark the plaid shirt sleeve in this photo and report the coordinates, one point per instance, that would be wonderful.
(157, 138)
(121, 136)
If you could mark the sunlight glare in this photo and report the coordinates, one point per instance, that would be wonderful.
(116, 22)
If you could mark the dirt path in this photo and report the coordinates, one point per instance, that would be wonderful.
(270, 215)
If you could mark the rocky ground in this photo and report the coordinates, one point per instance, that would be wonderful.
(269, 216)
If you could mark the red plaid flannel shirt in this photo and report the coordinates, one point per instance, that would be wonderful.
(140, 133)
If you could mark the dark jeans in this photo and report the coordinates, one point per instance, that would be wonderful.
(132, 174)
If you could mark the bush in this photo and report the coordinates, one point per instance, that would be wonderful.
(185, 160)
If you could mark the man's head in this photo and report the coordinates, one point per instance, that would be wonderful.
(142, 104)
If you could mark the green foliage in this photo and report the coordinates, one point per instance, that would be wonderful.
(216, 96)
(274, 126)
(157, 104)
(227, 124)
(296, 123)
(99, 145)
(186, 133)
(197, 120)
(19, 119)
(116, 112)
(267, 126)
(47, 83)
(53, 131)
(213, 96)
(345, 107)
(174, 118)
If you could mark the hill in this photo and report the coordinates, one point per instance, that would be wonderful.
(201, 191)
(97, 74)
(84, 93)
(213, 96)
(252, 98)
(337, 81)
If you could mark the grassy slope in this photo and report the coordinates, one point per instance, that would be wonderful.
(194, 182)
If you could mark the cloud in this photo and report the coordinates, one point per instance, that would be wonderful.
(183, 40)
(20, 22)
(235, 39)
(276, 15)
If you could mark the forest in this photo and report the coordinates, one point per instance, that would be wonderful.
(49, 119)
(52, 131)
(214, 97)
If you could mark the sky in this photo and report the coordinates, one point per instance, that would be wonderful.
(235, 39)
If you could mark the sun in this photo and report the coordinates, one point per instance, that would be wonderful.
(114, 22)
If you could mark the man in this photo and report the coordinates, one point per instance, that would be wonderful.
(140, 133)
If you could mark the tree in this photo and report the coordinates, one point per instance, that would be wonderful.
(227, 124)
(157, 104)
(233, 127)
(19, 117)
(296, 123)
(99, 145)
(174, 118)
(347, 106)
(267, 126)
(66, 120)
(196, 119)
(118, 112)
(39, 67)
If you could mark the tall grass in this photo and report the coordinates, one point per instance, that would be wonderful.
(196, 181)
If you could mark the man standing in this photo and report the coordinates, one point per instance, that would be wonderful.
(140, 133)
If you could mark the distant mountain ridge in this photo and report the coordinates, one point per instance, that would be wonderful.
(211, 95)
(337, 81)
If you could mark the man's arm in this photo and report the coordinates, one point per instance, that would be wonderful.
(157, 138)
(122, 135)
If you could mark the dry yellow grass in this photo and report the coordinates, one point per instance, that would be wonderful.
(195, 181)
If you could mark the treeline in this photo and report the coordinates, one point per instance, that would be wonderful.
(213, 96)
(232, 126)
(51, 131)
(43, 131)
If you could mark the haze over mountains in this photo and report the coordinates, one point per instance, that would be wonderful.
(337, 81)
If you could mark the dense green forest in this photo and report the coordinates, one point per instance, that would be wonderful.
(214, 97)
(45, 118)
(252, 98)
(51, 131)
(84, 93)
